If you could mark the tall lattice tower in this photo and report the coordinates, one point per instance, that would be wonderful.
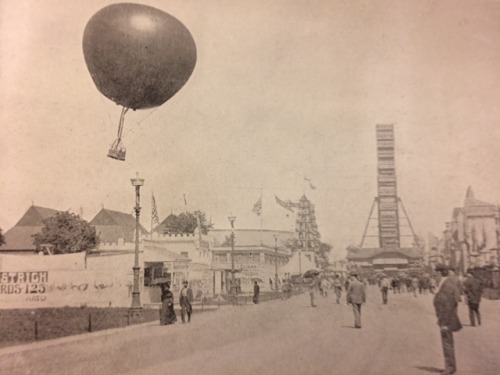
(390, 208)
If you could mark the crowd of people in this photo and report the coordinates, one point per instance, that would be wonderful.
(448, 290)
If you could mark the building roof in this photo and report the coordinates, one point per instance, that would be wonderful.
(368, 253)
(249, 237)
(113, 225)
(19, 238)
(35, 216)
(475, 207)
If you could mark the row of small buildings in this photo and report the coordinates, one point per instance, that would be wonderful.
(104, 276)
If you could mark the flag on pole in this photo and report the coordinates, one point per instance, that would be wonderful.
(257, 207)
(154, 211)
(285, 204)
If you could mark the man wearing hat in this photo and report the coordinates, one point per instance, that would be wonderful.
(185, 299)
(356, 296)
(445, 305)
(473, 290)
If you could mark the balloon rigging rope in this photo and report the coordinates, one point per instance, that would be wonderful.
(132, 130)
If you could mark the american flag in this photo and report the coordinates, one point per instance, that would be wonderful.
(257, 207)
(154, 211)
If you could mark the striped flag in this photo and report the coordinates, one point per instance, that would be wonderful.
(257, 207)
(154, 211)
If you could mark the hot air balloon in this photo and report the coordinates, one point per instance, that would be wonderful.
(138, 56)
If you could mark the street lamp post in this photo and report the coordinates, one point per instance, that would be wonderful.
(136, 308)
(276, 262)
(233, 286)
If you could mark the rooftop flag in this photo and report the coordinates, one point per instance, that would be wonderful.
(154, 211)
(257, 207)
(285, 204)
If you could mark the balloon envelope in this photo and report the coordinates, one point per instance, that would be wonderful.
(138, 56)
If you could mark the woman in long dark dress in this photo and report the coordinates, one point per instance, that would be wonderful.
(167, 306)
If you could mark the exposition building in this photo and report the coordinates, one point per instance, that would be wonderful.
(104, 276)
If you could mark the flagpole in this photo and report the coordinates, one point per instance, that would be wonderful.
(261, 216)
(152, 195)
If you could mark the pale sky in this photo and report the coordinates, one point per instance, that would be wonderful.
(281, 90)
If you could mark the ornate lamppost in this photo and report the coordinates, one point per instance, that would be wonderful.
(136, 308)
(233, 285)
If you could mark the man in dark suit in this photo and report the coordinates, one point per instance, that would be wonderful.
(185, 299)
(473, 289)
(356, 296)
(445, 305)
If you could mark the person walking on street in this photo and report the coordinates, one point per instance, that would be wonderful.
(432, 285)
(445, 305)
(356, 295)
(256, 292)
(337, 286)
(473, 290)
(395, 285)
(287, 289)
(384, 288)
(414, 286)
(185, 299)
(167, 305)
(312, 286)
(458, 290)
(325, 285)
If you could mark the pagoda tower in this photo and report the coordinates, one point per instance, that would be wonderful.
(306, 227)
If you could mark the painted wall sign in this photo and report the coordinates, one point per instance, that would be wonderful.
(34, 282)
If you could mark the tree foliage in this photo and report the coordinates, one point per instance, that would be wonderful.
(323, 255)
(68, 233)
(2, 237)
(186, 222)
(228, 241)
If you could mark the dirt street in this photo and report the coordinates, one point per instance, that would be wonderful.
(276, 337)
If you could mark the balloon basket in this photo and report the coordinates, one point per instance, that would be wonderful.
(117, 150)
